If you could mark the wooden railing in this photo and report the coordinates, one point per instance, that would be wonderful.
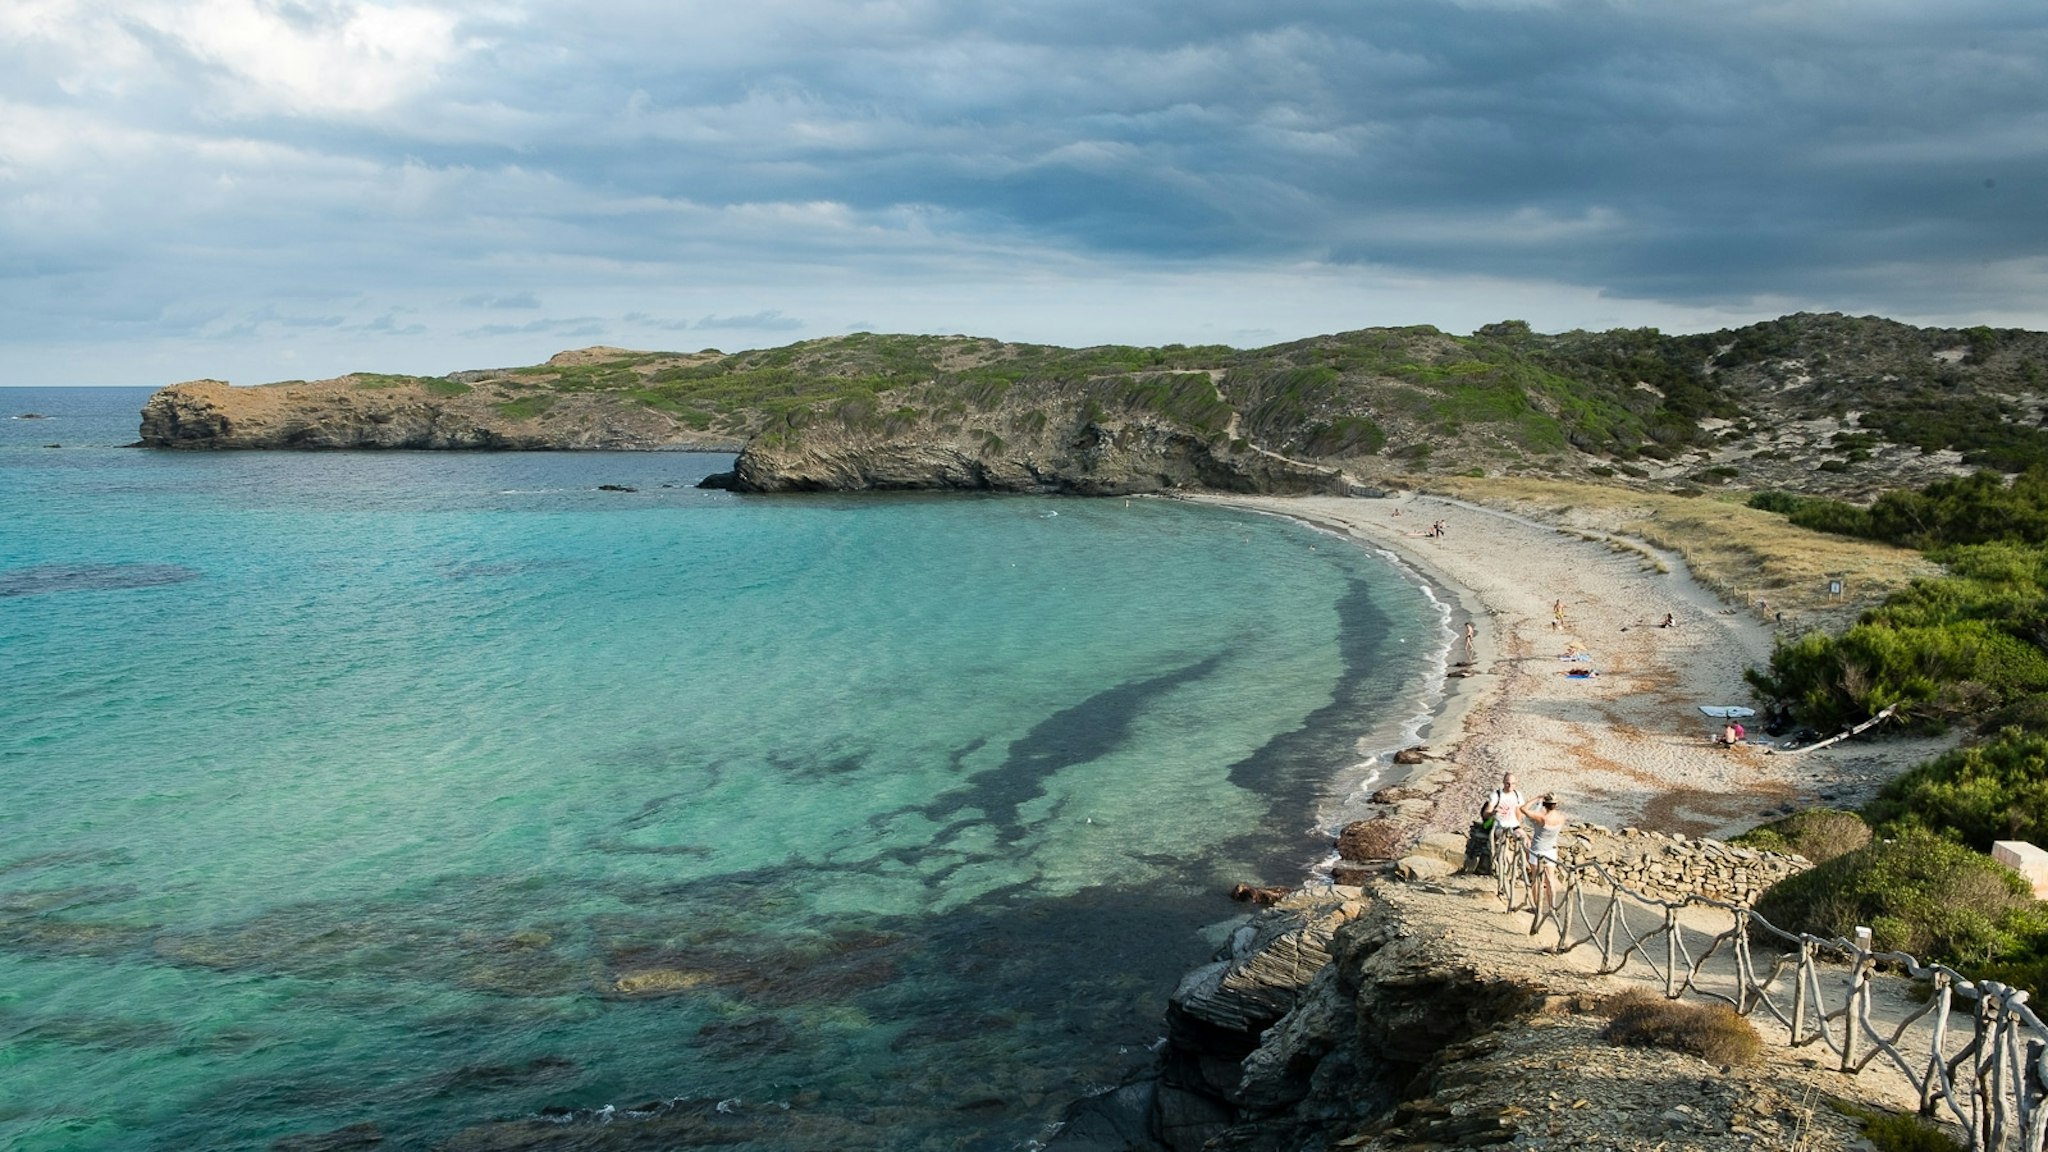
(1991, 1078)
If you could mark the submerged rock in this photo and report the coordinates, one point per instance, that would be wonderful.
(339, 1140)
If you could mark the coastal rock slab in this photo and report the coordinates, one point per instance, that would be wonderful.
(1419, 867)
(1285, 948)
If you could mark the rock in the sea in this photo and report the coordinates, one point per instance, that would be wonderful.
(1115, 1121)
(1356, 875)
(347, 1139)
(1256, 895)
(1376, 839)
(1413, 755)
(661, 981)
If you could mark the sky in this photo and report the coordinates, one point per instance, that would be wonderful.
(257, 190)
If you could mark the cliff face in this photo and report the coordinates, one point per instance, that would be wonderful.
(347, 413)
(1103, 457)
(1827, 405)
(1404, 1016)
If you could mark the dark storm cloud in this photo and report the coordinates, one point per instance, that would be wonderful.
(1685, 152)
(177, 168)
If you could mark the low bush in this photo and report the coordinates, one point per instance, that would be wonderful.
(1898, 1132)
(1918, 893)
(1997, 790)
(1819, 834)
(1978, 509)
(1712, 1032)
(1942, 649)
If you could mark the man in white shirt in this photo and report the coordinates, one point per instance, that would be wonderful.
(1504, 805)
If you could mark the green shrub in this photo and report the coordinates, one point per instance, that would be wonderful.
(1918, 893)
(1942, 649)
(1344, 436)
(526, 407)
(1978, 509)
(1713, 1032)
(1997, 790)
(1898, 1132)
(1773, 500)
(1819, 834)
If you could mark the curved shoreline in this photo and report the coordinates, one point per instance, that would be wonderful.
(1626, 748)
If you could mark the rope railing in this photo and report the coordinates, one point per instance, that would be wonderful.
(1993, 1084)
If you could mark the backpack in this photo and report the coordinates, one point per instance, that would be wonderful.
(1478, 849)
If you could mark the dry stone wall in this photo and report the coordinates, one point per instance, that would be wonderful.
(1672, 866)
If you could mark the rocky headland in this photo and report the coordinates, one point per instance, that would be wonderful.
(348, 413)
(1822, 404)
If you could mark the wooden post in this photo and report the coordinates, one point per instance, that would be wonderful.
(1744, 980)
(1671, 953)
(1944, 997)
(1801, 980)
(1859, 993)
(1983, 1104)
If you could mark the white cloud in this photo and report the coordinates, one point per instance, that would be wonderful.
(312, 57)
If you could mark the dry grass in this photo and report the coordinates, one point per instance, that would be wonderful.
(1741, 553)
(1712, 1032)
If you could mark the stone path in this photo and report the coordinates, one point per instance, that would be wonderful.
(1561, 1085)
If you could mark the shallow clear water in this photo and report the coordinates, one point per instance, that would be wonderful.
(428, 789)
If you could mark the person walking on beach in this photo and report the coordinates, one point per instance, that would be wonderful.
(1470, 631)
(1557, 614)
(1546, 825)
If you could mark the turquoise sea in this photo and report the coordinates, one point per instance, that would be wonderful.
(433, 790)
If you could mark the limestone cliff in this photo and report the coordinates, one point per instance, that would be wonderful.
(1099, 457)
(357, 412)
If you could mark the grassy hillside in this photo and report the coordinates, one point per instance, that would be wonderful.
(1821, 404)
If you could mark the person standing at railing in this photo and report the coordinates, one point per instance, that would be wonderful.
(1546, 820)
(1504, 806)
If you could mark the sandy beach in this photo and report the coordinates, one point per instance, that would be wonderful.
(1627, 746)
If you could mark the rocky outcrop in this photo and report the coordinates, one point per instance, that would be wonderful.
(1044, 450)
(350, 413)
(1089, 457)
(1313, 1019)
